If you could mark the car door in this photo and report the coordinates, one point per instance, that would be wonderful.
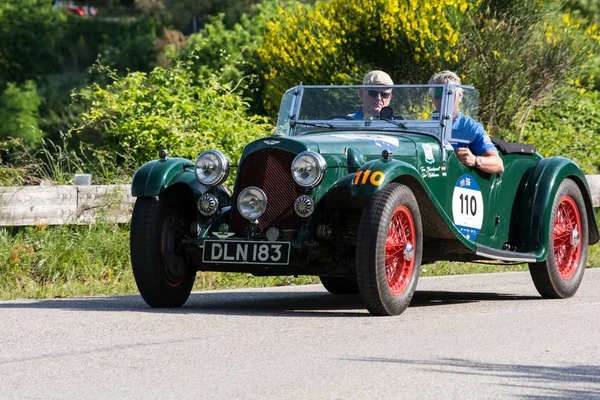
(471, 200)
(471, 194)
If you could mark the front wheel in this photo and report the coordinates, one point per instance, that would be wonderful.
(389, 249)
(160, 269)
(560, 275)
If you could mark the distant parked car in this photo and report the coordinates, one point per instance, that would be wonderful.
(360, 203)
(75, 9)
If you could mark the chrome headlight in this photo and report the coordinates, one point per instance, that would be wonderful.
(308, 168)
(211, 168)
(252, 202)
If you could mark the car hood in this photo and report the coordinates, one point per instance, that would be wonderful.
(338, 145)
(369, 143)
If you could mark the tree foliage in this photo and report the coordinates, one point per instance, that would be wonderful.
(140, 113)
(337, 41)
(231, 52)
(19, 114)
(29, 31)
(520, 56)
(517, 53)
(182, 11)
(570, 128)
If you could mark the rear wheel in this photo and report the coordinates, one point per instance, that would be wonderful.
(389, 250)
(161, 271)
(339, 285)
(560, 275)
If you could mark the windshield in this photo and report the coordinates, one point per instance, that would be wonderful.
(414, 108)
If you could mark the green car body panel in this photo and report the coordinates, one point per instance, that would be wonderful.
(360, 202)
(155, 176)
(516, 201)
(484, 213)
(538, 196)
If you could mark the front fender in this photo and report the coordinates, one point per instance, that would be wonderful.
(155, 176)
(397, 171)
(377, 174)
(538, 197)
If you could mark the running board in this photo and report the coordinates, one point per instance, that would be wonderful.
(504, 255)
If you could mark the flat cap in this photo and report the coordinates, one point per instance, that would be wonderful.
(377, 78)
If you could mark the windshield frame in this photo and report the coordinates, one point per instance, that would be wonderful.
(439, 127)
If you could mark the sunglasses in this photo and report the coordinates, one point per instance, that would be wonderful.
(439, 92)
(375, 93)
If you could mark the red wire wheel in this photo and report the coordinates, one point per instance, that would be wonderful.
(399, 250)
(560, 274)
(389, 250)
(567, 237)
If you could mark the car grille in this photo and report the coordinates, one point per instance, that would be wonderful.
(269, 170)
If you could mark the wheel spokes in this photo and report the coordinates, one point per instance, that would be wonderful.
(566, 232)
(400, 237)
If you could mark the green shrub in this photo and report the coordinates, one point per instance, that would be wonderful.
(19, 114)
(569, 128)
(589, 9)
(336, 42)
(521, 55)
(181, 11)
(230, 51)
(57, 111)
(226, 51)
(139, 114)
(29, 32)
(11, 176)
(123, 43)
(58, 162)
(518, 53)
(94, 256)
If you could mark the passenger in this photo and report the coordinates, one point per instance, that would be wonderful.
(373, 100)
(480, 152)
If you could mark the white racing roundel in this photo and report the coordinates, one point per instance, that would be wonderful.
(467, 207)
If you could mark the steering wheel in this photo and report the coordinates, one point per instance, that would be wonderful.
(341, 116)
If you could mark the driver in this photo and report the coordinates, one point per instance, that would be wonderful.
(373, 100)
(480, 152)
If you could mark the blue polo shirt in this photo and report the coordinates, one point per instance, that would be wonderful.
(467, 128)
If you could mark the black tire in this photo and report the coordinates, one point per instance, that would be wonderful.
(161, 272)
(389, 291)
(559, 276)
(339, 285)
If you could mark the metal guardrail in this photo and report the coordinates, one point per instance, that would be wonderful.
(594, 182)
(59, 205)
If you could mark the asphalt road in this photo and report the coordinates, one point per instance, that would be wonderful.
(475, 337)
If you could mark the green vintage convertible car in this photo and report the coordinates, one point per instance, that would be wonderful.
(361, 203)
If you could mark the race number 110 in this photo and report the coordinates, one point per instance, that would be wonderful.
(468, 204)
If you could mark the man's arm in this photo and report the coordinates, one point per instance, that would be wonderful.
(489, 160)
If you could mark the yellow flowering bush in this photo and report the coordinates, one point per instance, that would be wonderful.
(518, 54)
(336, 41)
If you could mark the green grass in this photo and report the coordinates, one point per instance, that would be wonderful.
(67, 261)
(452, 268)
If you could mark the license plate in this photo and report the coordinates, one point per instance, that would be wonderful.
(246, 252)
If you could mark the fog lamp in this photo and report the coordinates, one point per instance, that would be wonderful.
(252, 202)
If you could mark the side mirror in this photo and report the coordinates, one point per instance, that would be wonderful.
(386, 113)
